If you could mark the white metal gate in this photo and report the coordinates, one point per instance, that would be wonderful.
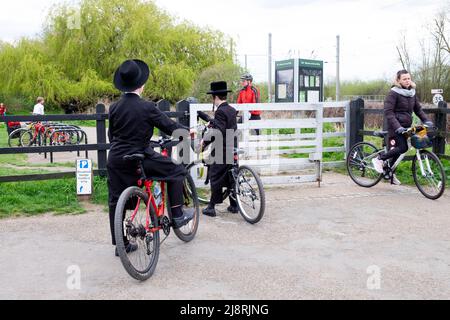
(268, 152)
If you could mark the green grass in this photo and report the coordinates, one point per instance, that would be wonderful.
(41, 197)
(100, 195)
(34, 198)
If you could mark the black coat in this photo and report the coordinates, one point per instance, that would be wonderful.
(131, 124)
(398, 111)
(225, 119)
(132, 121)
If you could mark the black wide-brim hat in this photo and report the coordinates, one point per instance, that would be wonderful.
(131, 75)
(218, 88)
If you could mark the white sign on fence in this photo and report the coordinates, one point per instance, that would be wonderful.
(437, 98)
(84, 177)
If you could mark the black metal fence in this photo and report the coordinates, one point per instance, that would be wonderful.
(101, 146)
(356, 128)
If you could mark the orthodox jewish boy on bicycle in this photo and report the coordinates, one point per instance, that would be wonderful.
(225, 120)
(131, 125)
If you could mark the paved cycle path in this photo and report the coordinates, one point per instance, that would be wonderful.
(336, 242)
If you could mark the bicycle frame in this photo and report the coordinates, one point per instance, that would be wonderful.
(151, 202)
(419, 159)
(159, 210)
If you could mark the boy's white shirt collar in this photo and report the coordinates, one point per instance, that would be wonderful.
(133, 93)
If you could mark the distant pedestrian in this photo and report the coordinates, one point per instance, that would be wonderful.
(2, 109)
(38, 109)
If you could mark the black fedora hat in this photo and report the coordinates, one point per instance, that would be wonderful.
(218, 88)
(131, 75)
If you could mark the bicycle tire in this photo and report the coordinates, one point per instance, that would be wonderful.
(362, 164)
(204, 192)
(26, 139)
(146, 272)
(188, 232)
(252, 219)
(14, 137)
(438, 167)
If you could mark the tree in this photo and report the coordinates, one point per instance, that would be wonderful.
(432, 70)
(227, 71)
(74, 59)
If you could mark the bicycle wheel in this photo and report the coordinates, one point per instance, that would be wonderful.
(204, 191)
(429, 175)
(250, 195)
(130, 227)
(360, 167)
(26, 139)
(14, 137)
(188, 232)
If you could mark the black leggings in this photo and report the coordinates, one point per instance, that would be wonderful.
(398, 145)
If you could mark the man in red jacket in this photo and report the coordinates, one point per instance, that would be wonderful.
(250, 94)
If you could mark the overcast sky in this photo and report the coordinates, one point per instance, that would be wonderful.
(369, 29)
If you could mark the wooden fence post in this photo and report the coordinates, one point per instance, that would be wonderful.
(164, 106)
(101, 139)
(184, 107)
(355, 122)
(441, 124)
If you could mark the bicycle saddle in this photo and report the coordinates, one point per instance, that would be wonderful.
(134, 157)
(380, 134)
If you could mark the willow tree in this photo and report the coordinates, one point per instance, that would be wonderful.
(110, 31)
(74, 59)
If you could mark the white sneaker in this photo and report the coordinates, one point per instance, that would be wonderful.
(378, 164)
(395, 181)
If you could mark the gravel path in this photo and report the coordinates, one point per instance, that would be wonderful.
(336, 242)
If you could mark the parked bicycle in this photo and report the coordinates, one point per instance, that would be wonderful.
(27, 136)
(141, 214)
(427, 170)
(42, 134)
(247, 190)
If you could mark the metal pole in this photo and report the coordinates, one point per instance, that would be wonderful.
(338, 76)
(270, 68)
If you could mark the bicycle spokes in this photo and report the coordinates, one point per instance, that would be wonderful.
(429, 174)
(360, 166)
(250, 195)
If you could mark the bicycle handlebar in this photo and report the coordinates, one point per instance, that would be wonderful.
(164, 143)
(204, 116)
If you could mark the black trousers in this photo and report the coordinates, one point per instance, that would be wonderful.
(398, 145)
(253, 118)
(124, 175)
(220, 178)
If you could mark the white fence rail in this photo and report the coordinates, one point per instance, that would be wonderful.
(269, 152)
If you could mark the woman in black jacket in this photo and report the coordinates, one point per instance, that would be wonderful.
(399, 106)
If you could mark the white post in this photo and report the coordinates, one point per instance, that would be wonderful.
(338, 70)
(270, 69)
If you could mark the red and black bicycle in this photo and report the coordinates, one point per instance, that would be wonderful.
(141, 215)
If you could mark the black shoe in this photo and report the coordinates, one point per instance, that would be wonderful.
(129, 248)
(233, 210)
(210, 212)
(188, 215)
